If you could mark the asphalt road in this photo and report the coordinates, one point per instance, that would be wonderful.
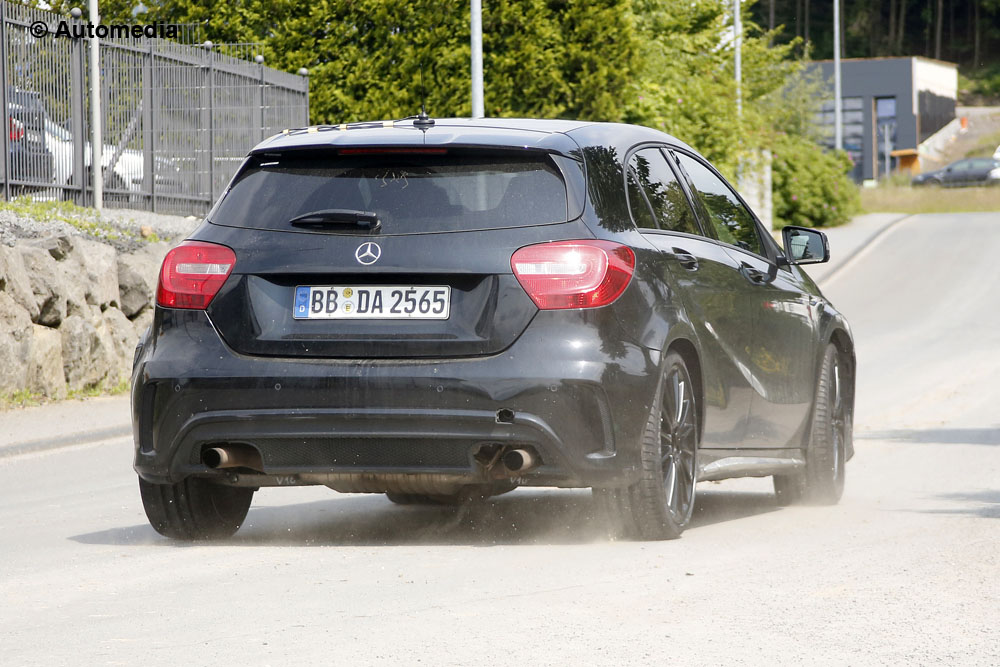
(905, 571)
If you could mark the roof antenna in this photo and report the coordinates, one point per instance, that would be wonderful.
(423, 121)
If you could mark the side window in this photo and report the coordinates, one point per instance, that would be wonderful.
(637, 203)
(733, 223)
(663, 191)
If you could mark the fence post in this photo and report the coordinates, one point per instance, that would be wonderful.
(306, 110)
(148, 163)
(78, 106)
(262, 135)
(3, 100)
(211, 130)
(204, 160)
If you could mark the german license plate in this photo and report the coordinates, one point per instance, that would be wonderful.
(360, 302)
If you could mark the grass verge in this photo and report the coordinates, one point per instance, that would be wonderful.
(20, 399)
(24, 398)
(906, 199)
(87, 220)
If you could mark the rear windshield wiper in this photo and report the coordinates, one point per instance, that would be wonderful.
(338, 217)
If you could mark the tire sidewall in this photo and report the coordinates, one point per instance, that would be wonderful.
(826, 455)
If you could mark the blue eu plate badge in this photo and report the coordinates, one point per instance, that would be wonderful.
(301, 301)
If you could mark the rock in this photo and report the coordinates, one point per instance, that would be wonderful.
(15, 340)
(96, 271)
(76, 299)
(145, 231)
(45, 373)
(137, 276)
(58, 247)
(48, 283)
(143, 322)
(123, 340)
(15, 282)
(88, 352)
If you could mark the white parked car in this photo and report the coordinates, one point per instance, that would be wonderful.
(127, 172)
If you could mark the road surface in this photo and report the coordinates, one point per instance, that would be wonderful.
(904, 571)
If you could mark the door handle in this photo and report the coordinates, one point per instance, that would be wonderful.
(753, 275)
(688, 261)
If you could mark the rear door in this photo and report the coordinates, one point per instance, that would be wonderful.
(958, 173)
(708, 285)
(374, 253)
(780, 357)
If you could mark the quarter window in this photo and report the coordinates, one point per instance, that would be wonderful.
(663, 191)
(732, 221)
(637, 204)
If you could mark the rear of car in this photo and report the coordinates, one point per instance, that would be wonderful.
(389, 311)
(31, 161)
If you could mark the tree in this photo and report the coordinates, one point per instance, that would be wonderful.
(663, 63)
(687, 87)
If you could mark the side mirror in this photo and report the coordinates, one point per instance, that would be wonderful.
(805, 246)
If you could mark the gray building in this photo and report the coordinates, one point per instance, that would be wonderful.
(890, 105)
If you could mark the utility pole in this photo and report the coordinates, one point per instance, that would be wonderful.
(838, 121)
(96, 143)
(738, 65)
(477, 58)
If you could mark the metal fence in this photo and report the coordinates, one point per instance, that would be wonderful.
(177, 119)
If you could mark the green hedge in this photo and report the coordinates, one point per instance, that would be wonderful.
(810, 185)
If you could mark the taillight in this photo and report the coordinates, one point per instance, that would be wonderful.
(192, 274)
(15, 128)
(573, 274)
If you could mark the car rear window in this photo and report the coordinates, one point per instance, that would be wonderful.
(411, 190)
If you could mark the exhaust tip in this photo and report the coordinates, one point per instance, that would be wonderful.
(232, 456)
(520, 460)
(213, 457)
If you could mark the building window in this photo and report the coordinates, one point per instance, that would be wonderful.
(853, 125)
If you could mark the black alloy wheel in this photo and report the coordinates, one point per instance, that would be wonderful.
(659, 506)
(822, 480)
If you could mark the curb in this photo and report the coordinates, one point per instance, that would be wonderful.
(34, 446)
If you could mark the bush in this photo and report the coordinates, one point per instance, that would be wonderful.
(811, 186)
(981, 88)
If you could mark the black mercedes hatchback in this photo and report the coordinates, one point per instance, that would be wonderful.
(445, 310)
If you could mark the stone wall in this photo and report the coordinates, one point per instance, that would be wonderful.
(71, 312)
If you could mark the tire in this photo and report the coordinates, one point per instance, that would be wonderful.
(195, 509)
(659, 506)
(822, 480)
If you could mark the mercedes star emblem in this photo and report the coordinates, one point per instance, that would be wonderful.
(368, 253)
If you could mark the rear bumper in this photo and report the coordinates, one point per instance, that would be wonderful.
(582, 410)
